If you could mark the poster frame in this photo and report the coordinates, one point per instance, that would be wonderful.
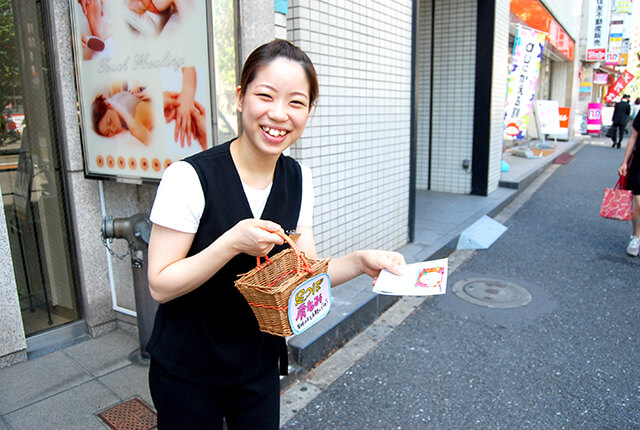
(83, 123)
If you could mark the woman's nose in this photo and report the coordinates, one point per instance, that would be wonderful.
(278, 112)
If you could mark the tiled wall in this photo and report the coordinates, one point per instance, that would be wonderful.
(453, 44)
(280, 26)
(500, 76)
(423, 112)
(357, 139)
(446, 99)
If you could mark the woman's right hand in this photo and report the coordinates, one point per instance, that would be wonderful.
(622, 170)
(254, 237)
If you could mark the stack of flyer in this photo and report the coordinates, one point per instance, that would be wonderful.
(420, 279)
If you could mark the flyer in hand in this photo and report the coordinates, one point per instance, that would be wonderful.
(427, 278)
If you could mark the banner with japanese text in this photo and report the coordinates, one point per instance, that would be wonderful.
(143, 83)
(599, 14)
(618, 86)
(523, 81)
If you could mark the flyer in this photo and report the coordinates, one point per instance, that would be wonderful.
(427, 278)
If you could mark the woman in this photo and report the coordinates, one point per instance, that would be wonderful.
(123, 111)
(630, 168)
(213, 213)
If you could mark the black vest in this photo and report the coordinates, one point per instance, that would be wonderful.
(210, 335)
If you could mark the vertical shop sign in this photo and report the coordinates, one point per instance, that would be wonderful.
(585, 87)
(523, 80)
(618, 86)
(623, 6)
(594, 118)
(616, 31)
(598, 29)
(144, 89)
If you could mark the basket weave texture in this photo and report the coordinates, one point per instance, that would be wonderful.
(267, 288)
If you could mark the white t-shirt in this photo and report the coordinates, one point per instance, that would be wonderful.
(179, 201)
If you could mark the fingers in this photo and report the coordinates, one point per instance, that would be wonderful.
(199, 107)
(373, 261)
(255, 237)
(393, 262)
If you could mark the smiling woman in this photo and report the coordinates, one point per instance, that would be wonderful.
(213, 214)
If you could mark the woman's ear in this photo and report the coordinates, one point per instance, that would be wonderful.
(239, 98)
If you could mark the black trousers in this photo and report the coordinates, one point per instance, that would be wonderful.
(182, 404)
(619, 128)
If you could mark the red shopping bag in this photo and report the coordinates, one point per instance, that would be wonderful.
(617, 202)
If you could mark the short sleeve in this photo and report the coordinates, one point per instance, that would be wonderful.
(179, 201)
(305, 219)
(636, 123)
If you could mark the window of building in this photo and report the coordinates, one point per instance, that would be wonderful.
(31, 172)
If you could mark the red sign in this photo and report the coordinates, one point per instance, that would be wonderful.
(618, 86)
(565, 113)
(536, 15)
(596, 54)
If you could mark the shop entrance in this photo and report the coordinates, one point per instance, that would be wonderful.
(33, 194)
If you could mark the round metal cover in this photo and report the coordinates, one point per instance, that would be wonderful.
(491, 293)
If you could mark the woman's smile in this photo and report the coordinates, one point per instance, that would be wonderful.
(275, 106)
(274, 131)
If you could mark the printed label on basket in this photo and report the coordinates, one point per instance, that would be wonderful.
(309, 303)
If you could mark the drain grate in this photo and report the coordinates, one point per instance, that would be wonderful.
(492, 293)
(130, 415)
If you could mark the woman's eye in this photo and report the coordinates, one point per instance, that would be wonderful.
(299, 103)
(264, 96)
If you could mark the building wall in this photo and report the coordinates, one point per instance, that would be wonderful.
(357, 140)
(500, 75)
(424, 50)
(567, 13)
(13, 347)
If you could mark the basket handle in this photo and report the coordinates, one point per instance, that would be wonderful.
(300, 260)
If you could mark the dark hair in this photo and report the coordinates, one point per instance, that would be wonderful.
(98, 109)
(265, 54)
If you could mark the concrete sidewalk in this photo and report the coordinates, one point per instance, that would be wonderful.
(68, 388)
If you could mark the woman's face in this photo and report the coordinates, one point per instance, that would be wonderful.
(275, 106)
(110, 124)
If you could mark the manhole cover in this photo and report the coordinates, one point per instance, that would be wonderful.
(130, 415)
(491, 293)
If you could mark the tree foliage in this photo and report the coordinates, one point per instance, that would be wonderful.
(9, 67)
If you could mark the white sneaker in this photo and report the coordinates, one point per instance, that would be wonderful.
(634, 246)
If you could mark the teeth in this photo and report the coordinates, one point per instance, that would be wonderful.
(273, 132)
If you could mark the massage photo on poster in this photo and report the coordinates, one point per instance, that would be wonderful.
(145, 97)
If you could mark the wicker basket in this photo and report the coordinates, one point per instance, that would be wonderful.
(267, 287)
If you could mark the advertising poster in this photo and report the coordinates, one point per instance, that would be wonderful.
(548, 116)
(143, 75)
(598, 18)
(594, 118)
(523, 81)
(618, 86)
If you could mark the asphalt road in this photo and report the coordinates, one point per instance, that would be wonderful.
(567, 359)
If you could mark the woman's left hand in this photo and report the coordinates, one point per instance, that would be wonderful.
(373, 261)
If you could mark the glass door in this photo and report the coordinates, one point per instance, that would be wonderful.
(31, 174)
